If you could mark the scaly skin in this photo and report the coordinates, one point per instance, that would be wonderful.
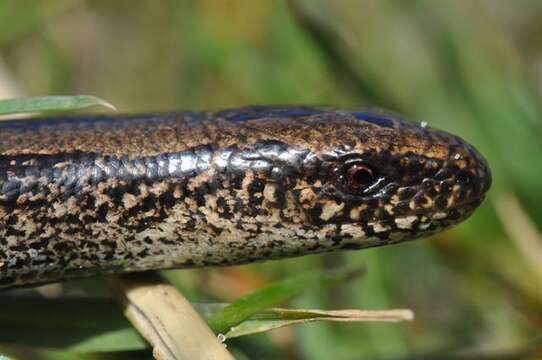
(85, 196)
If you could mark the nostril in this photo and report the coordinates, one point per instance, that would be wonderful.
(463, 177)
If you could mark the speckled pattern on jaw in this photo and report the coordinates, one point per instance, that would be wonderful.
(85, 196)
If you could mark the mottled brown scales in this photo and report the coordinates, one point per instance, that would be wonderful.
(87, 196)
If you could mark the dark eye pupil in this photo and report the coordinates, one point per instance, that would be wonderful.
(359, 175)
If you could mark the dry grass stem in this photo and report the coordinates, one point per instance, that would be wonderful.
(167, 320)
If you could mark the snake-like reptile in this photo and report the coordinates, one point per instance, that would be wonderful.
(90, 195)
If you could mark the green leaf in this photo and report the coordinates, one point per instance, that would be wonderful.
(277, 318)
(50, 103)
(273, 295)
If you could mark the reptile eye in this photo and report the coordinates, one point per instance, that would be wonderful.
(358, 175)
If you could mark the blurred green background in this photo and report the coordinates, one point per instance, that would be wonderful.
(473, 68)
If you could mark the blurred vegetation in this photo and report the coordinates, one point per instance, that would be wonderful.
(470, 67)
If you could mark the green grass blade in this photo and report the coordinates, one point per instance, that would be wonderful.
(51, 103)
(277, 318)
(273, 295)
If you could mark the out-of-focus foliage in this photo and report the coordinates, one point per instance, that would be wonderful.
(469, 67)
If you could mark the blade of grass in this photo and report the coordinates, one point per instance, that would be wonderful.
(278, 318)
(273, 295)
(51, 103)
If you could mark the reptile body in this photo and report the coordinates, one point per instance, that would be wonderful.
(85, 196)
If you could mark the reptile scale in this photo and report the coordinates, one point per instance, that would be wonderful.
(91, 195)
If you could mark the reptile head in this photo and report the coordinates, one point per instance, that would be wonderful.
(376, 176)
